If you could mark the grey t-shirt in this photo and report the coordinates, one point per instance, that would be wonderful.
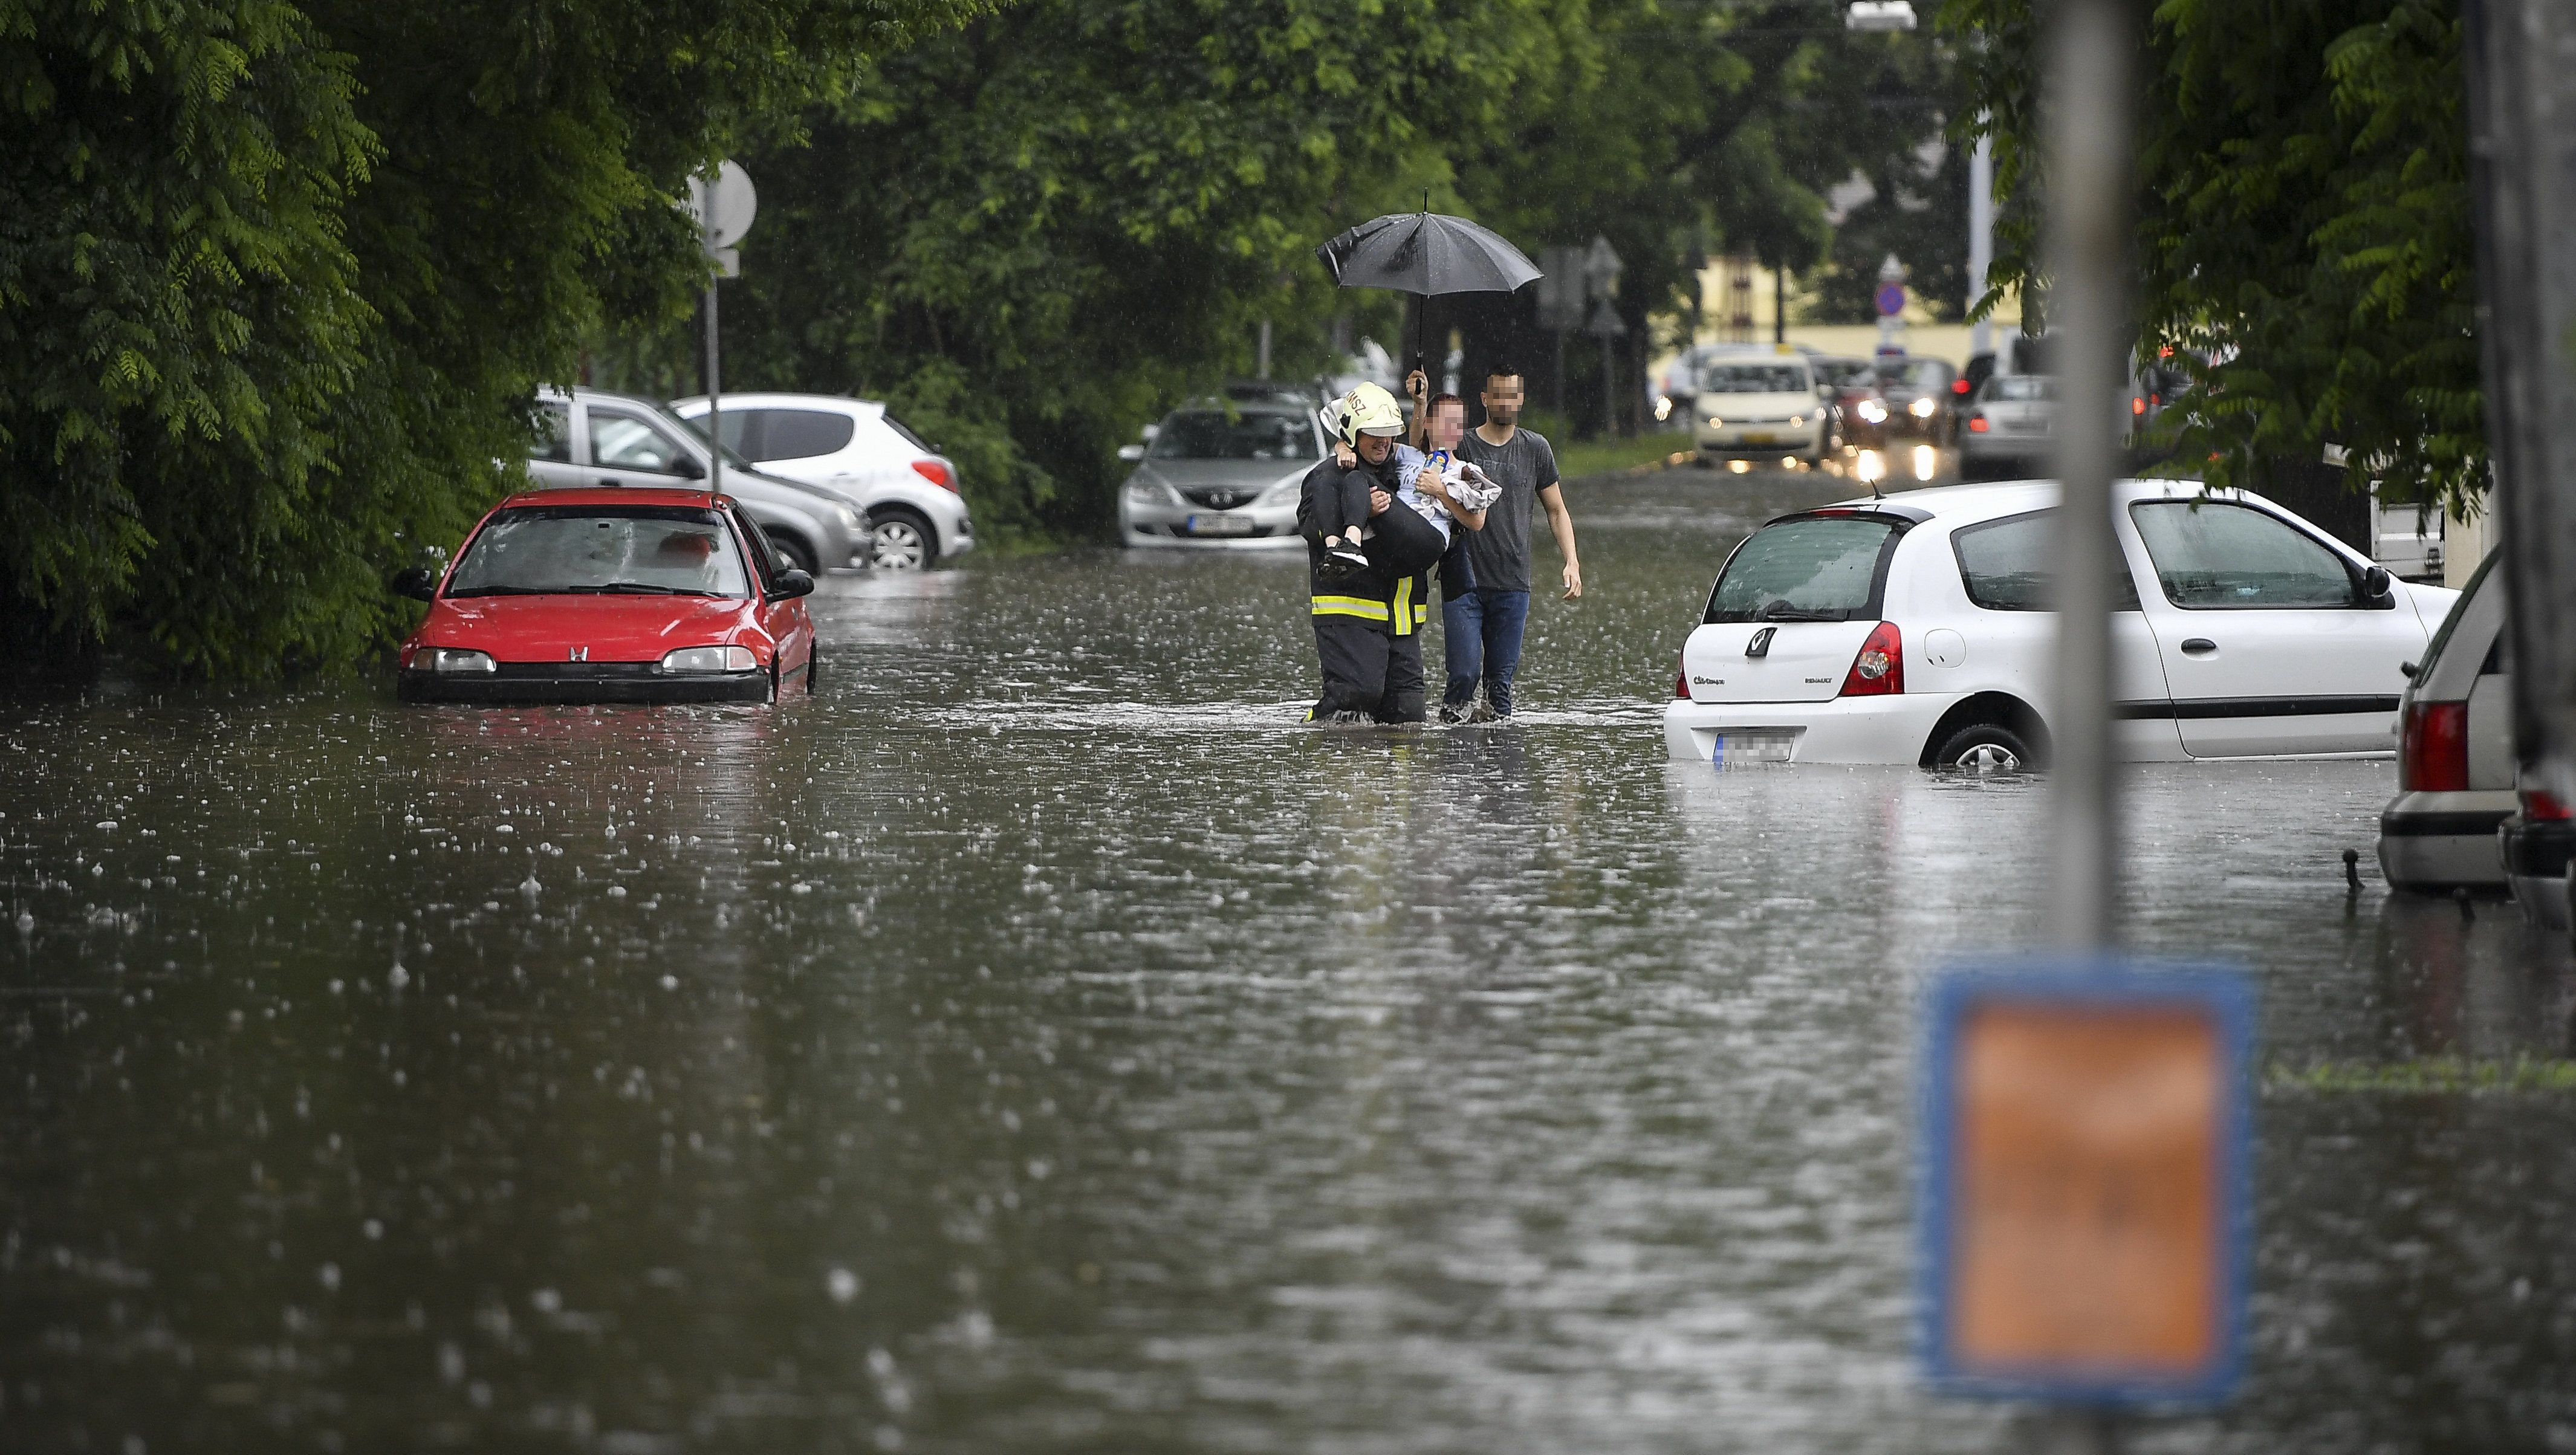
(1500, 553)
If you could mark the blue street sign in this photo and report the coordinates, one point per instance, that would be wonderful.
(2085, 1216)
(1891, 299)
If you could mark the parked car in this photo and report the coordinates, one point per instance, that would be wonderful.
(2538, 841)
(908, 493)
(2455, 760)
(1221, 473)
(595, 438)
(1913, 629)
(2010, 426)
(614, 595)
(1758, 404)
(1847, 385)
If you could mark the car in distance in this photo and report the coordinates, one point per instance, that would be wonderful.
(1221, 473)
(907, 492)
(1916, 397)
(1913, 628)
(2010, 425)
(593, 439)
(1758, 405)
(615, 595)
(2455, 759)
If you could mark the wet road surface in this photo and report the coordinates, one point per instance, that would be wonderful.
(1040, 1042)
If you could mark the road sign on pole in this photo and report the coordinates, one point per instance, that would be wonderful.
(724, 205)
(2086, 1216)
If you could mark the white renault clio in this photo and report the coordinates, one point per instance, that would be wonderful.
(1913, 629)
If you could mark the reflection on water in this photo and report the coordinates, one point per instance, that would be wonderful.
(1039, 1041)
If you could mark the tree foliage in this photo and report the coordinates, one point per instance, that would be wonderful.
(2303, 237)
(1034, 235)
(277, 279)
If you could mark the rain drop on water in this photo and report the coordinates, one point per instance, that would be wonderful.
(842, 1284)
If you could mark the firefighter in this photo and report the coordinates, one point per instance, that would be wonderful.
(1368, 618)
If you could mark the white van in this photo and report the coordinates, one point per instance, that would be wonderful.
(1759, 404)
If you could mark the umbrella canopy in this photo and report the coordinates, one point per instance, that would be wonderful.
(1429, 253)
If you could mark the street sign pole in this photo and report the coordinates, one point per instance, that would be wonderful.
(724, 205)
(1981, 237)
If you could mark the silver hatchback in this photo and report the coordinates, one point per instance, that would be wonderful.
(2455, 761)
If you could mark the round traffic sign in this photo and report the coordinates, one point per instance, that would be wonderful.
(1891, 299)
(724, 209)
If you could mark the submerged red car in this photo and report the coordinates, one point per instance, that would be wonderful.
(617, 595)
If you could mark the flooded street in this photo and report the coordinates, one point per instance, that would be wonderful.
(1042, 1042)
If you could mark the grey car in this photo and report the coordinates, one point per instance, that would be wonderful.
(2455, 759)
(598, 438)
(2010, 426)
(1221, 475)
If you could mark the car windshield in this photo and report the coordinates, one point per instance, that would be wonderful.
(1920, 376)
(555, 550)
(1781, 378)
(1818, 568)
(1848, 373)
(1206, 434)
(2021, 387)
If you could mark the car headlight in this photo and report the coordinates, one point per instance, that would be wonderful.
(1873, 411)
(1716, 423)
(1797, 421)
(1283, 492)
(1663, 408)
(709, 659)
(454, 659)
(1147, 492)
(1921, 409)
(849, 518)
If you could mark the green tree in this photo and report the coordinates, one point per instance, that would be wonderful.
(2303, 237)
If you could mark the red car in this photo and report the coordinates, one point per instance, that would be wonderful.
(623, 595)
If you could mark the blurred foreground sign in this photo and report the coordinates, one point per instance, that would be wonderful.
(2085, 1217)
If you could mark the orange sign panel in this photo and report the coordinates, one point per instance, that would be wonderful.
(2087, 1227)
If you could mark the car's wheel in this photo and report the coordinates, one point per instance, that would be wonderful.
(899, 540)
(1984, 748)
(794, 551)
(813, 671)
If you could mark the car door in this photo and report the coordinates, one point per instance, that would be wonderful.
(550, 461)
(627, 447)
(787, 620)
(2267, 642)
(2007, 568)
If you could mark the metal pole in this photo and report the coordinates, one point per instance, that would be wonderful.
(1780, 304)
(2093, 47)
(1265, 351)
(715, 401)
(2522, 142)
(1981, 237)
(1609, 387)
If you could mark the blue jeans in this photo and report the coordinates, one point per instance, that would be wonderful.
(1483, 638)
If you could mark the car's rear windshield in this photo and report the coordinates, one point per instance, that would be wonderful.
(639, 550)
(1810, 568)
(1783, 378)
(1206, 434)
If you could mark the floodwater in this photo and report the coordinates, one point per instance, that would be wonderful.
(1042, 1043)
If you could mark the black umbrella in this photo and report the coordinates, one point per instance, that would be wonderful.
(1426, 253)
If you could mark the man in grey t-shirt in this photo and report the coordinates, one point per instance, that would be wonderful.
(1483, 626)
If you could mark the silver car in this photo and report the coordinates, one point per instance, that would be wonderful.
(2009, 427)
(1221, 474)
(2455, 760)
(598, 438)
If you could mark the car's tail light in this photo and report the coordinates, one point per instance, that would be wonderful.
(2539, 805)
(1977, 423)
(936, 472)
(2433, 748)
(1958, 386)
(1681, 680)
(2137, 405)
(1880, 666)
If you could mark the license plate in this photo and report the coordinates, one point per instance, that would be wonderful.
(1217, 525)
(1761, 437)
(1734, 750)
